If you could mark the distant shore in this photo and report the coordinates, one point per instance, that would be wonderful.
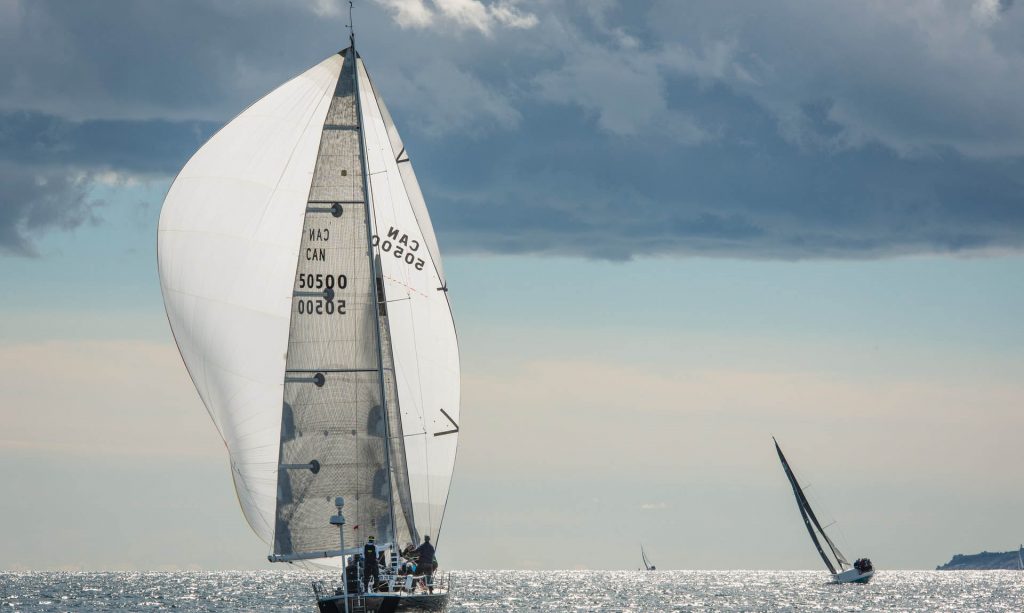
(986, 560)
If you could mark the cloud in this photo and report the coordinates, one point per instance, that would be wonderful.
(35, 200)
(463, 104)
(987, 12)
(48, 166)
(409, 13)
(603, 129)
(653, 506)
(463, 14)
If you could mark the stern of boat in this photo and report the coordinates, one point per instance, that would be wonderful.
(408, 596)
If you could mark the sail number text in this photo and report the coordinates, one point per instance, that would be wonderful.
(326, 284)
(319, 306)
(401, 246)
(319, 281)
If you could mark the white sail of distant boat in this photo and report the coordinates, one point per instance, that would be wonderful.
(303, 283)
(842, 570)
(647, 563)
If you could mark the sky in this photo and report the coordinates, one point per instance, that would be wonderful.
(671, 230)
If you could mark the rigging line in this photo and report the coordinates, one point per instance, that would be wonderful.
(405, 285)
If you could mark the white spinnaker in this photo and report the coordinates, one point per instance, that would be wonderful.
(422, 331)
(227, 247)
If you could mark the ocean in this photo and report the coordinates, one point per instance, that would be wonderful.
(489, 590)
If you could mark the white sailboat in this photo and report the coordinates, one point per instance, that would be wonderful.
(842, 571)
(303, 283)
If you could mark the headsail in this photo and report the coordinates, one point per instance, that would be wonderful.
(424, 344)
(810, 520)
(325, 354)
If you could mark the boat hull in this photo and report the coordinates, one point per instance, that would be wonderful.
(387, 603)
(853, 576)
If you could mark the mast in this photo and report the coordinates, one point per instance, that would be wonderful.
(379, 298)
(805, 509)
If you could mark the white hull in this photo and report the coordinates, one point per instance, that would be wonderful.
(853, 576)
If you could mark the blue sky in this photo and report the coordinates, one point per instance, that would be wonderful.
(672, 230)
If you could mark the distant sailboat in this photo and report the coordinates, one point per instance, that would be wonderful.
(304, 287)
(647, 563)
(860, 571)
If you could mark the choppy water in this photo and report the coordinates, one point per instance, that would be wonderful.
(531, 591)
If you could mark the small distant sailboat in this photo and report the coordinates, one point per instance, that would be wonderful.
(860, 571)
(647, 562)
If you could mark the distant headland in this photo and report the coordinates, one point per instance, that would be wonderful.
(986, 560)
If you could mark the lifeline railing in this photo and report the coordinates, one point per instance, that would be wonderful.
(407, 584)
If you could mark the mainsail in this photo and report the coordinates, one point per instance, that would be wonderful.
(304, 287)
(810, 520)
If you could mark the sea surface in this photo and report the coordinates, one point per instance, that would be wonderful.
(530, 591)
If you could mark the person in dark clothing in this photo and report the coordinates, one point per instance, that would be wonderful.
(371, 574)
(352, 576)
(425, 564)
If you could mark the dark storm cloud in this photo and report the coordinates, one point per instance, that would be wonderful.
(128, 146)
(47, 165)
(34, 200)
(749, 193)
(781, 130)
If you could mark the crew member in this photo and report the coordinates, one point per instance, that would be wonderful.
(371, 574)
(426, 564)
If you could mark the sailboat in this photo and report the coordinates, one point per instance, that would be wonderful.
(842, 571)
(647, 563)
(304, 287)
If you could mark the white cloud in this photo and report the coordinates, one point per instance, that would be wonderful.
(409, 13)
(987, 12)
(327, 8)
(464, 14)
(653, 506)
